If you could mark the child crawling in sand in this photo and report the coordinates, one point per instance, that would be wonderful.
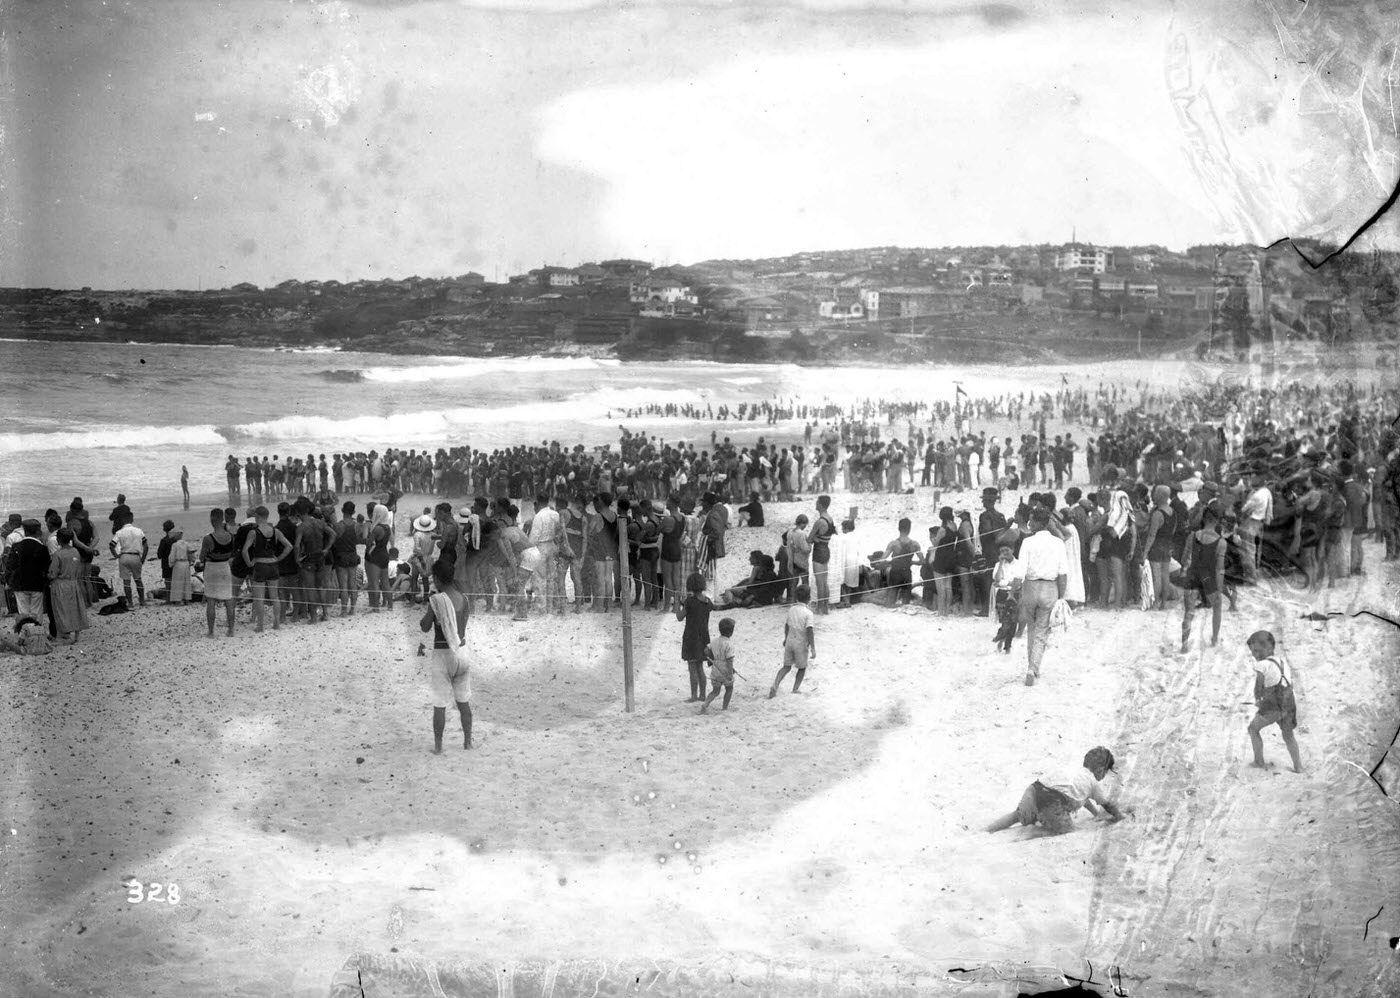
(1273, 696)
(1051, 802)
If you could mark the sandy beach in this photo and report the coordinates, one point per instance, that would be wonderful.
(284, 781)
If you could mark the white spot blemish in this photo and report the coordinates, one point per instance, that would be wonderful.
(205, 116)
(332, 90)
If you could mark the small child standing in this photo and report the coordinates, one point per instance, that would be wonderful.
(1273, 695)
(799, 641)
(720, 654)
(695, 611)
(1007, 577)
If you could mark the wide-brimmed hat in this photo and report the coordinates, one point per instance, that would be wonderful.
(424, 523)
(462, 516)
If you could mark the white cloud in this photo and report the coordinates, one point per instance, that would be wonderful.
(1000, 138)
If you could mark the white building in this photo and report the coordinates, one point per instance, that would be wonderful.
(658, 289)
(1084, 258)
(841, 310)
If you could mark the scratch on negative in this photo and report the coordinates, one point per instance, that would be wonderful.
(1370, 920)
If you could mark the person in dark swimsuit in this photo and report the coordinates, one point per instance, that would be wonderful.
(1204, 573)
(263, 549)
(943, 546)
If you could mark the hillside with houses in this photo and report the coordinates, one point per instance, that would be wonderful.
(886, 304)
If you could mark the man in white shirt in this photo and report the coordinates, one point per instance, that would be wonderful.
(130, 547)
(546, 533)
(1046, 575)
(1052, 801)
(1256, 513)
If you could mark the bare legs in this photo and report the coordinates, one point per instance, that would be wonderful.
(464, 711)
(211, 609)
(1257, 725)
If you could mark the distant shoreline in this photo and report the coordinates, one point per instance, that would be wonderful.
(1284, 350)
(843, 357)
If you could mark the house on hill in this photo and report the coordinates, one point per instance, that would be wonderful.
(660, 290)
(1081, 258)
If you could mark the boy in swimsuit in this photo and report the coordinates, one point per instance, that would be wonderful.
(1273, 695)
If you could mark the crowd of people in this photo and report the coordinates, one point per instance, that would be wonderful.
(1170, 499)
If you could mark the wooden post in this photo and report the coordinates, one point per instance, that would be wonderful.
(627, 673)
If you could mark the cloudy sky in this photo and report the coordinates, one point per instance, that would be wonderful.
(165, 143)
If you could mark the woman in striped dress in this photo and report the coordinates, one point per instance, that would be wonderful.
(690, 541)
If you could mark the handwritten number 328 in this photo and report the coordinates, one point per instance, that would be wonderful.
(138, 892)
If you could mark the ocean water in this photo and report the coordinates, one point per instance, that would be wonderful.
(92, 420)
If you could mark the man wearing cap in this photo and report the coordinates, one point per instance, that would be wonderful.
(991, 522)
(1046, 565)
(1052, 801)
(30, 576)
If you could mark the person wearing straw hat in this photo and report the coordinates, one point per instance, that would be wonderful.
(420, 557)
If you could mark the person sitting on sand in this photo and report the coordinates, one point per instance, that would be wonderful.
(751, 513)
(1273, 696)
(449, 665)
(30, 638)
(763, 587)
(1051, 802)
(720, 654)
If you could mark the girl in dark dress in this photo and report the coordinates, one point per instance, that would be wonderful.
(695, 611)
(1204, 573)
